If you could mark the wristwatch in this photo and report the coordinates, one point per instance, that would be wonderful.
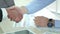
(50, 23)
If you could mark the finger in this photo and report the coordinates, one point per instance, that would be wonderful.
(11, 17)
(17, 20)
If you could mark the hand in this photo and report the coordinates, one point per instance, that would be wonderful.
(14, 13)
(41, 21)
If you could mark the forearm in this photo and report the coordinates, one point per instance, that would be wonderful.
(36, 5)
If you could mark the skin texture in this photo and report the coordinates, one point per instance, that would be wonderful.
(14, 13)
(41, 21)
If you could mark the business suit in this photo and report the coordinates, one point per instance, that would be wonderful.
(5, 4)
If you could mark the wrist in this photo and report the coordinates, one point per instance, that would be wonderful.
(7, 10)
(24, 9)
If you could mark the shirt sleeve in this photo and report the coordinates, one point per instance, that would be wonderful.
(57, 23)
(4, 12)
(36, 5)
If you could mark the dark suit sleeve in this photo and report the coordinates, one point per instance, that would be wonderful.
(1, 15)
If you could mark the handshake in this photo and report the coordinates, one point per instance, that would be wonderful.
(16, 13)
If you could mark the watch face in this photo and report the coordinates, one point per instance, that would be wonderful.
(50, 23)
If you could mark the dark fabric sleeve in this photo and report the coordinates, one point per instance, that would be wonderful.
(1, 15)
(9, 3)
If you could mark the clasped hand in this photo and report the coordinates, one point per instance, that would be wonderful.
(14, 13)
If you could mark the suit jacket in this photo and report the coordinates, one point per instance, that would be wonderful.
(5, 4)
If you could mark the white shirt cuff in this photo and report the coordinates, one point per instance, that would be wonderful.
(4, 12)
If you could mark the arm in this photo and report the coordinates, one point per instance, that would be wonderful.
(45, 22)
(36, 5)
